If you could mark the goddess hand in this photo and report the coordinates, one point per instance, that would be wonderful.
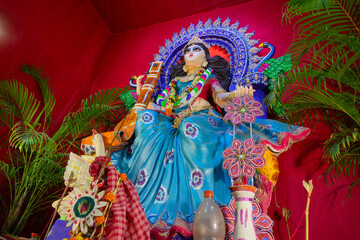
(138, 84)
(243, 91)
(224, 99)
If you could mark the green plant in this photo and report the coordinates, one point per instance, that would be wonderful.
(324, 84)
(36, 151)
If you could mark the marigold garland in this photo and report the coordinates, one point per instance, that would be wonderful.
(110, 197)
(123, 177)
(99, 220)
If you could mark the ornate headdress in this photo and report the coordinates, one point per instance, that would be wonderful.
(236, 41)
(196, 39)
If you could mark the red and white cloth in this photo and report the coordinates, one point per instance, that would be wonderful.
(127, 219)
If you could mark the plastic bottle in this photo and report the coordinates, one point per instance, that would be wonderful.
(34, 236)
(209, 222)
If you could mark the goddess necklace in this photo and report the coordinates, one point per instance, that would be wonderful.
(169, 99)
(187, 78)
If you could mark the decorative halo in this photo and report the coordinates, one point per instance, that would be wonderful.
(235, 44)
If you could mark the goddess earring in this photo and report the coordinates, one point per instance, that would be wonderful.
(204, 64)
(185, 68)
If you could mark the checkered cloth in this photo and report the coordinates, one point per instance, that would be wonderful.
(127, 219)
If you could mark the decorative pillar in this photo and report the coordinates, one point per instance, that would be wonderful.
(244, 221)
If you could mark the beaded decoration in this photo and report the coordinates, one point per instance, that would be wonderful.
(169, 99)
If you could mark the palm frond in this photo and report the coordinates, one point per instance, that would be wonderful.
(9, 170)
(341, 140)
(340, 18)
(16, 100)
(352, 185)
(307, 96)
(311, 98)
(47, 94)
(295, 8)
(112, 98)
(7, 115)
(347, 163)
(102, 108)
(86, 119)
(25, 137)
(46, 172)
(58, 156)
(104, 97)
(325, 83)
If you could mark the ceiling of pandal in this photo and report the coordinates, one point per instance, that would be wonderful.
(125, 15)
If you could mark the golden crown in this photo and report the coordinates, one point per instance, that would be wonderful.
(196, 39)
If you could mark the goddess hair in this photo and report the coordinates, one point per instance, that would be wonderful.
(220, 67)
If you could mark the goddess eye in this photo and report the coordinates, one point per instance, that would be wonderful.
(197, 49)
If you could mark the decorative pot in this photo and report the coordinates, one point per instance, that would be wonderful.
(244, 221)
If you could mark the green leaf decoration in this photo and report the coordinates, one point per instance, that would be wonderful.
(275, 72)
(128, 99)
(278, 66)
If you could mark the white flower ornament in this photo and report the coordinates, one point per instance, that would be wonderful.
(82, 208)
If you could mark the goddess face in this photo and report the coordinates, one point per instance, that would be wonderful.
(194, 55)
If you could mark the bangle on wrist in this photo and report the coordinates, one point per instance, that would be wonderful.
(231, 96)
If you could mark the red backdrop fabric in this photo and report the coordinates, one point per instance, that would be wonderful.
(81, 56)
(67, 39)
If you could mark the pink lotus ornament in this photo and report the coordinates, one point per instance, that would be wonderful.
(243, 109)
(262, 222)
(243, 157)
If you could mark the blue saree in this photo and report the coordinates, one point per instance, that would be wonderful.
(171, 167)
